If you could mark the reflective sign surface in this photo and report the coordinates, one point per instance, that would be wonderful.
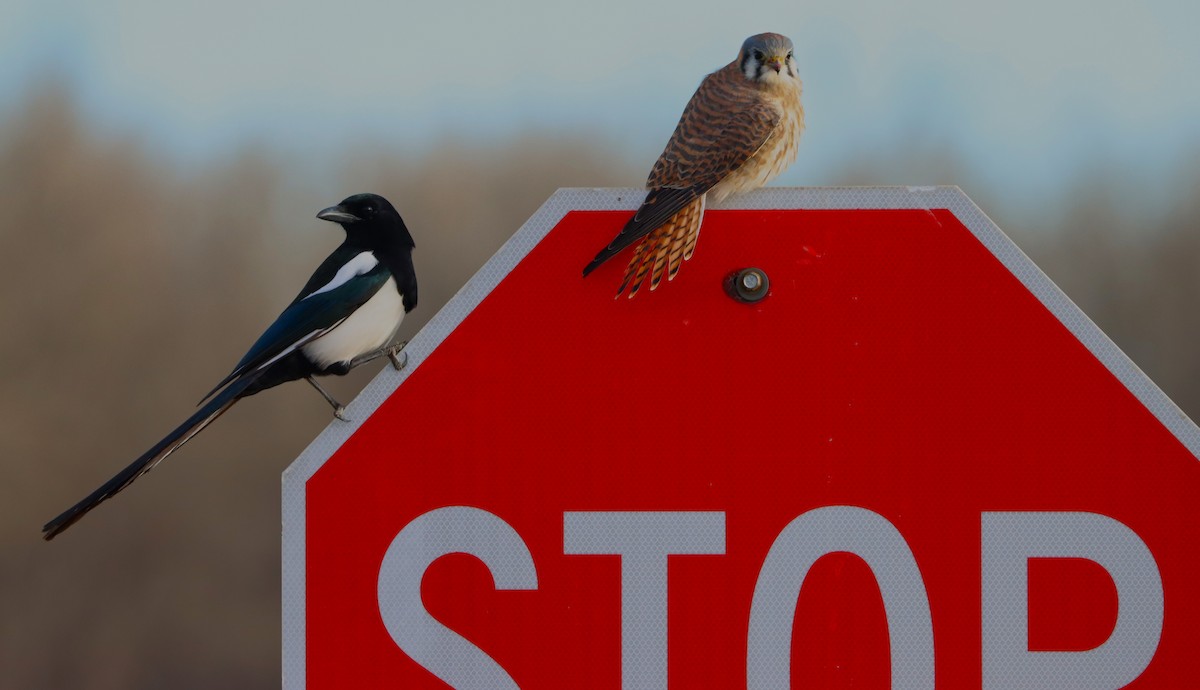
(899, 469)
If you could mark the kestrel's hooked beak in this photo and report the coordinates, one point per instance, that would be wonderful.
(776, 62)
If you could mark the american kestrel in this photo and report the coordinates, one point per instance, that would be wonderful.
(740, 129)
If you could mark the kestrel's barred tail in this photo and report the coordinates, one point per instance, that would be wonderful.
(689, 244)
(664, 249)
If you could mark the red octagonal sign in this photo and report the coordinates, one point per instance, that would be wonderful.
(914, 464)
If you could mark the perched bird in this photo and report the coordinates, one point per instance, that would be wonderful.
(740, 129)
(346, 315)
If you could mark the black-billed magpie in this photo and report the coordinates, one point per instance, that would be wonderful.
(346, 315)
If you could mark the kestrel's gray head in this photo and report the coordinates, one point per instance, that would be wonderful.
(767, 58)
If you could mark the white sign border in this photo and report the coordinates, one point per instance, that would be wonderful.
(296, 476)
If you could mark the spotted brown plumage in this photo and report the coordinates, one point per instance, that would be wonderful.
(740, 129)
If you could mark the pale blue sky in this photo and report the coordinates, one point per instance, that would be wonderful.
(1026, 92)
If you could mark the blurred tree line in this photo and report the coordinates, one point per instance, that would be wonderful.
(128, 284)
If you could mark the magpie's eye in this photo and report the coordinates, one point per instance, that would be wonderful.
(368, 209)
(758, 55)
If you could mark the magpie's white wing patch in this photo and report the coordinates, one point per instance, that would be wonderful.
(357, 266)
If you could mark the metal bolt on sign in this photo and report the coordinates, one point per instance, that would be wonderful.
(748, 285)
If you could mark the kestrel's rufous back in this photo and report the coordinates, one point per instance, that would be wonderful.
(738, 132)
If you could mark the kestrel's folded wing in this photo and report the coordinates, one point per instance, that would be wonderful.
(721, 129)
(718, 132)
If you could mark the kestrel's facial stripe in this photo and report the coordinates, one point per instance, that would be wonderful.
(750, 66)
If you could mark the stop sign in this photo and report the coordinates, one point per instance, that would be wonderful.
(914, 463)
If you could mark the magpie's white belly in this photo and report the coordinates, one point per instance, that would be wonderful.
(366, 330)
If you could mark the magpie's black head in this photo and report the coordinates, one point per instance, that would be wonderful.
(369, 219)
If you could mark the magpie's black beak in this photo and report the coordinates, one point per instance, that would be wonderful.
(337, 214)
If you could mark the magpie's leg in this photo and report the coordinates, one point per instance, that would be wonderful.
(338, 408)
(390, 351)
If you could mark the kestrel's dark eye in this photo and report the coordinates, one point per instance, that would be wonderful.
(758, 55)
(789, 55)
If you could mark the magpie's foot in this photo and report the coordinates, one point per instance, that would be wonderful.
(398, 363)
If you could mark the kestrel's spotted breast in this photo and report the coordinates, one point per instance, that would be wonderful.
(740, 129)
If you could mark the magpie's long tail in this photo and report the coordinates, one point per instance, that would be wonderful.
(181, 435)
